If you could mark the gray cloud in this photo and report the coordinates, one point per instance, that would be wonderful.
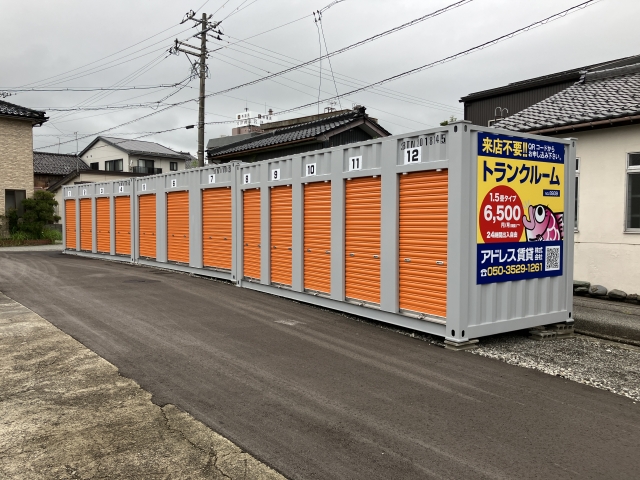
(44, 38)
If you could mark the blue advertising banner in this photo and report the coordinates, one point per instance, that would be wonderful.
(520, 208)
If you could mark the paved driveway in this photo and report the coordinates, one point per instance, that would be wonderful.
(326, 397)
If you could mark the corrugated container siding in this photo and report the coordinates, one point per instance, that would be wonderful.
(123, 225)
(86, 226)
(70, 223)
(423, 221)
(103, 224)
(147, 216)
(362, 239)
(281, 235)
(216, 228)
(251, 233)
(317, 237)
(178, 227)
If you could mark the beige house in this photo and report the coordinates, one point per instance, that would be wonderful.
(135, 156)
(16, 155)
(601, 110)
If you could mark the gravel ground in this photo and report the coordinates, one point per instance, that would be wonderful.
(599, 363)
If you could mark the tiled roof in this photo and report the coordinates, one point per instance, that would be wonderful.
(45, 163)
(12, 110)
(293, 133)
(599, 95)
(137, 147)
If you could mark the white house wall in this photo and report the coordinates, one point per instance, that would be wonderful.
(102, 152)
(163, 163)
(604, 253)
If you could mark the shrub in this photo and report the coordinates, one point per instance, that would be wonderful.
(12, 220)
(39, 211)
(53, 235)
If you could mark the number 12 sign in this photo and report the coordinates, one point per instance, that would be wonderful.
(412, 155)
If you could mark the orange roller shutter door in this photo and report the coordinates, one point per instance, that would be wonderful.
(317, 237)
(70, 223)
(178, 227)
(362, 239)
(424, 210)
(86, 227)
(251, 233)
(123, 225)
(103, 225)
(216, 228)
(281, 235)
(147, 219)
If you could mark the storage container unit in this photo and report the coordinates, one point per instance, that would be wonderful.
(122, 204)
(178, 226)
(147, 225)
(317, 237)
(70, 240)
(217, 234)
(455, 231)
(103, 224)
(423, 214)
(86, 225)
(251, 234)
(362, 239)
(281, 241)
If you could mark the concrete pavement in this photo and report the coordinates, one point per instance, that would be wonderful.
(607, 319)
(318, 395)
(65, 413)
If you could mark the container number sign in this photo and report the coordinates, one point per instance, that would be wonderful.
(144, 187)
(275, 174)
(355, 163)
(212, 178)
(246, 178)
(120, 189)
(68, 193)
(101, 191)
(174, 183)
(84, 191)
(412, 155)
(311, 169)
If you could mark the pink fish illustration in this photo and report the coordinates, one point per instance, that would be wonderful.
(543, 224)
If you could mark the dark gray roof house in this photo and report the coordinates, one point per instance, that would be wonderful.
(346, 126)
(601, 98)
(488, 106)
(16, 111)
(45, 163)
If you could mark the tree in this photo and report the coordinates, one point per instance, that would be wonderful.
(39, 211)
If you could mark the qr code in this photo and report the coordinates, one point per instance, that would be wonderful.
(552, 258)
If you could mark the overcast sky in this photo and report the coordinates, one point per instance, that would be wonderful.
(63, 38)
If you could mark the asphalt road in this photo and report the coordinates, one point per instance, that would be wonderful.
(328, 397)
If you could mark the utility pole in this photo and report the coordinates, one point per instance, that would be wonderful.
(200, 68)
(203, 57)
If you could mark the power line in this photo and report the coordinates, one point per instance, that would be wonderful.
(354, 45)
(396, 95)
(490, 43)
(91, 89)
(389, 79)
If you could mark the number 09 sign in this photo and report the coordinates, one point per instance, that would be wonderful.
(520, 216)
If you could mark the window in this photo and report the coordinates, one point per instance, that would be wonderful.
(113, 165)
(173, 166)
(575, 218)
(633, 192)
(95, 166)
(13, 200)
